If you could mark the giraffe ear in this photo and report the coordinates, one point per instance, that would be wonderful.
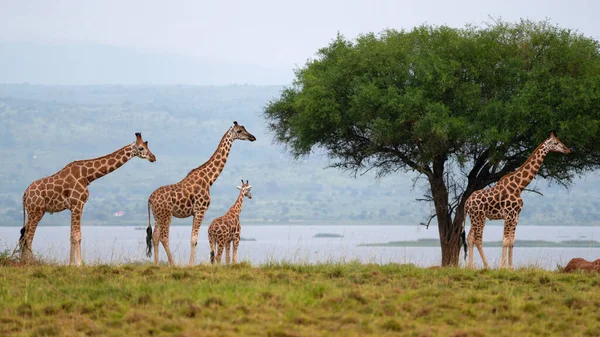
(249, 186)
(239, 187)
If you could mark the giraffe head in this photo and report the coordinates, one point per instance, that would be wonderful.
(239, 132)
(245, 188)
(553, 144)
(140, 148)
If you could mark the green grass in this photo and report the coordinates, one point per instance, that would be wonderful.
(518, 243)
(295, 300)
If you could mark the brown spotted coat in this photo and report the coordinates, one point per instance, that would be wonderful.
(503, 201)
(68, 189)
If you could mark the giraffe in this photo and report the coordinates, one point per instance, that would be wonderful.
(503, 201)
(68, 189)
(190, 196)
(225, 230)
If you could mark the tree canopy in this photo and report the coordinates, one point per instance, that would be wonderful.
(463, 107)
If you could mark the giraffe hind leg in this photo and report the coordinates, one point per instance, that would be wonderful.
(236, 243)
(34, 217)
(228, 252)
(476, 239)
(220, 247)
(156, 241)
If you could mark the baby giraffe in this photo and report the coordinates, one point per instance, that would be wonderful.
(226, 229)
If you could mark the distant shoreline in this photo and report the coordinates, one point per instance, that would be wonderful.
(518, 243)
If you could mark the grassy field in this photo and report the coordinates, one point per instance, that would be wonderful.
(295, 300)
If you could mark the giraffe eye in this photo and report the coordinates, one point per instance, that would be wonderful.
(141, 148)
(239, 131)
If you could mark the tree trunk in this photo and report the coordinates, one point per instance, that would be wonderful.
(450, 231)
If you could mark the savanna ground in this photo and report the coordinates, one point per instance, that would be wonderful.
(282, 299)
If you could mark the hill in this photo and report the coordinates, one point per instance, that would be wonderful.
(45, 127)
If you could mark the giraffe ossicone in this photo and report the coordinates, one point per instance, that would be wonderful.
(189, 197)
(224, 231)
(503, 201)
(68, 189)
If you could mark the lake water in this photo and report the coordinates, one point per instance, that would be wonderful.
(298, 244)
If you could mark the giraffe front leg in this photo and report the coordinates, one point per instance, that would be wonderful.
(75, 252)
(198, 217)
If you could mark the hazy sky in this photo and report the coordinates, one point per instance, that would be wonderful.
(260, 32)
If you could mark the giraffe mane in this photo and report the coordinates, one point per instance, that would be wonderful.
(101, 157)
(209, 159)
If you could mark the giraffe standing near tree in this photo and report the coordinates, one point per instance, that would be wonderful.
(190, 196)
(68, 189)
(503, 201)
(225, 230)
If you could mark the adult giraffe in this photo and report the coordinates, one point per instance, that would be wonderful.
(503, 201)
(68, 189)
(190, 196)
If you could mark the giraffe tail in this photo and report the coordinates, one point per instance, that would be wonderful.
(463, 233)
(211, 242)
(149, 234)
(22, 237)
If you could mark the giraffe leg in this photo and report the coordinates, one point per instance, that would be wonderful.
(511, 239)
(198, 216)
(236, 243)
(220, 252)
(165, 228)
(471, 242)
(476, 238)
(480, 249)
(165, 244)
(505, 242)
(75, 253)
(228, 252)
(33, 218)
(212, 244)
(156, 240)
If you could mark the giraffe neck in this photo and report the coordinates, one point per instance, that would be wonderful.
(525, 174)
(99, 167)
(214, 166)
(236, 208)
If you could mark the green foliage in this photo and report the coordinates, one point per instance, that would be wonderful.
(400, 98)
(295, 300)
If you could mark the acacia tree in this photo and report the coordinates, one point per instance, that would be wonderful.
(462, 107)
